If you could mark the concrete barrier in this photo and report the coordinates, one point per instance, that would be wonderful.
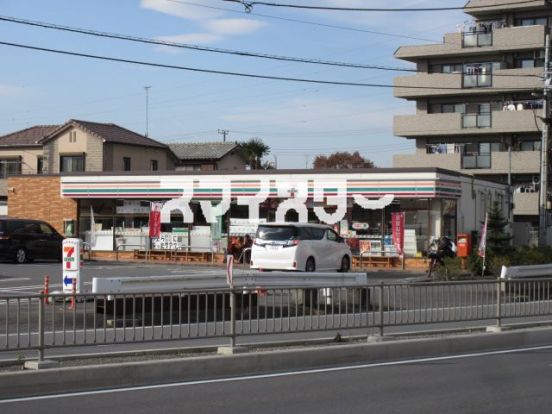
(73, 379)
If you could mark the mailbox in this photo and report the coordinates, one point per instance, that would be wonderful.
(463, 244)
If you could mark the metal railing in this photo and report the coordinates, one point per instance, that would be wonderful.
(39, 322)
(482, 120)
(477, 39)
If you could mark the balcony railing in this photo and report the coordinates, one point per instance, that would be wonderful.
(477, 39)
(470, 162)
(476, 120)
(477, 80)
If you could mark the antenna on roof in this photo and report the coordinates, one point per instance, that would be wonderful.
(147, 88)
(223, 132)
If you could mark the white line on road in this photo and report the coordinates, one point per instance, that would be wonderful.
(15, 279)
(276, 375)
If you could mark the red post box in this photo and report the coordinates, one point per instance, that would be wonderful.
(463, 244)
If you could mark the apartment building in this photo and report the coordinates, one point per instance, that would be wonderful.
(479, 99)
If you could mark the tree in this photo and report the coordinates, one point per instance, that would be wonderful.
(498, 239)
(255, 149)
(342, 160)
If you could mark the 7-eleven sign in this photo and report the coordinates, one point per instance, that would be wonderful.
(71, 264)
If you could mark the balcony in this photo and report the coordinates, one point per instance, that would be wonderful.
(494, 6)
(497, 122)
(452, 84)
(522, 162)
(498, 41)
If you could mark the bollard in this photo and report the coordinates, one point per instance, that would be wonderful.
(72, 303)
(46, 289)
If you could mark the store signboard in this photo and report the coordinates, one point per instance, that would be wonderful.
(71, 249)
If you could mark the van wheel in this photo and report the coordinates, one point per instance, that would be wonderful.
(20, 256)
(345, 264)
(310, 266)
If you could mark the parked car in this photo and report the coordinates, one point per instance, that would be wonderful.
(26, 240)
(301, 247)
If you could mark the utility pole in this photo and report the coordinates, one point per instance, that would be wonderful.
(223, 132)
(543, 190)
(147, 88)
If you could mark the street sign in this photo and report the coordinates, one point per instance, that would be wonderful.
(71, 265)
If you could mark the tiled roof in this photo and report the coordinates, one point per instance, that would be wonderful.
(110, 133)
(202, 151)
(28, 136)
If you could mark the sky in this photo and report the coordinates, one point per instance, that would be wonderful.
(297, 120)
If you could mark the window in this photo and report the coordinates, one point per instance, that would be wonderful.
(71, 163)
(73, 136)
(531, 21)
(534, 59)
(476, 155)
(458, 108)
(530, 145)
(332, 236)
(154, 165)
(126, 163)
(477, 75)
(39, 165)
(452, 68)
(45, 229)
(9, 166)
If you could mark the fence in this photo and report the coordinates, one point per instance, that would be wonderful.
(42, 322)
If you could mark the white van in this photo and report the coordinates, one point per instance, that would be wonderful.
(301, 247)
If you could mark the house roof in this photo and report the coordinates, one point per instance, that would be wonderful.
(203, 150)
(110, 133)
(28, 136)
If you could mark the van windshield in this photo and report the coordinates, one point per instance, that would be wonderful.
(276, 233)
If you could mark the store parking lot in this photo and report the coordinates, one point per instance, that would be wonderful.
(29, 277)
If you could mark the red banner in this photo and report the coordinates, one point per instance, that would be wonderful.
(397, 223)
(155, 219)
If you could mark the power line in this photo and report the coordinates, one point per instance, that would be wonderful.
(220, 72)
(248, 5)
(137, 39)
(248, 75)
(307, 22)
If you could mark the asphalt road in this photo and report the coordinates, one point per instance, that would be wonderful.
(28, 278)
(503, 382)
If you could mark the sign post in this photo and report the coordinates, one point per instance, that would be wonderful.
(71, 265)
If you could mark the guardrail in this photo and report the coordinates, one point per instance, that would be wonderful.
(29, 322)
(519, 272)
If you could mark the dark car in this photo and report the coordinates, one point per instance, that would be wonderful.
(26, 240)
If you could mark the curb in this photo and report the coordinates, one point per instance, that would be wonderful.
(74, 379)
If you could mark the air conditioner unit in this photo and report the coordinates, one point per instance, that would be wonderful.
(536, 180)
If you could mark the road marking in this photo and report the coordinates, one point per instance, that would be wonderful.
(276, 375)
(15, 279)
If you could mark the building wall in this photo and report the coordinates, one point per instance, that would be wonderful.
(477, 198)
(29, 159)
(140, 157)
(85, 143)
(231, 162)
(38, 197)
